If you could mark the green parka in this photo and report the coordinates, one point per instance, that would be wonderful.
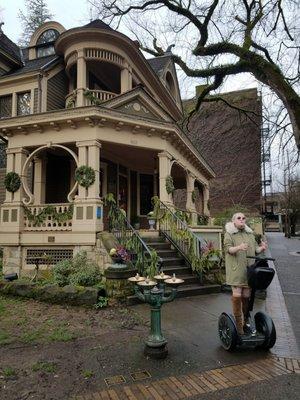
(236, 264)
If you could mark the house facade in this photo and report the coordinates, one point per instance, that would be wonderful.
(88, 97)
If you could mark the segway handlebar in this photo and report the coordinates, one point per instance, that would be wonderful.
(262, 258)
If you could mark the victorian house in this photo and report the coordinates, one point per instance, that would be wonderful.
(88, 97)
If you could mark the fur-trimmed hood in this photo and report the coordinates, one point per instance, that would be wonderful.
(231, 228)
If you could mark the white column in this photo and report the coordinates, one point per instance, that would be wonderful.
(10, 167)
(190, 205)
(94, 162)
(206, 199)
(20, 158)
(126, 79)
(14, 104)
(164, 170)
(82, 160)
(81, 77)
(39, 180)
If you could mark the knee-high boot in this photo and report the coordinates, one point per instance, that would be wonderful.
(238, 314)
(245, 307)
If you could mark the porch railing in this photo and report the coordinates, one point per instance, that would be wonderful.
(48, 217)
(92, 97)
(145, 259)
(182, 237)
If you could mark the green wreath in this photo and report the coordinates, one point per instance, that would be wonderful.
(12, 182)
(85, 176)
(169, 184)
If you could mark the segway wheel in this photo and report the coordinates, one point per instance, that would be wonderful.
(227, 332)
(265, 326)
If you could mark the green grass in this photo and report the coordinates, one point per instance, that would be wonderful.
(8, 372)
(5, 338)
(31, 336)
(60, 334)
(45, 366)
(87, 374)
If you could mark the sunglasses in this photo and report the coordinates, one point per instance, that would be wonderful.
(242, 218)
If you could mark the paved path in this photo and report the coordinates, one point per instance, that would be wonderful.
(197, 367)
(199, 384)
(288, 269)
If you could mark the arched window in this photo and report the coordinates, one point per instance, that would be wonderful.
(45, 43)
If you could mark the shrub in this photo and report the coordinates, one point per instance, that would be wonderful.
(225, 216)
(79, 271)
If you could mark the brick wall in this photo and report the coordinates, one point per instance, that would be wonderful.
(230, 142)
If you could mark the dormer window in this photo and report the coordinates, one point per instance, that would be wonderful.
(45, 43)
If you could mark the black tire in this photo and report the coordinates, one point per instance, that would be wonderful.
(265, 326)
(227, 332)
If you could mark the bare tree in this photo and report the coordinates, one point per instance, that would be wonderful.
(218, 38)
(36, 14)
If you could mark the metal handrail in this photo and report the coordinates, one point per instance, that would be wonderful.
(125, 233)
(185, 243)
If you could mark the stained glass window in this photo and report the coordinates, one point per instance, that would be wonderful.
(23, 103)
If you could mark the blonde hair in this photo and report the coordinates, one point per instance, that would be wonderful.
(235, 215)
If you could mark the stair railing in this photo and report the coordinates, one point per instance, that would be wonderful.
(180, 235)
(145, 259)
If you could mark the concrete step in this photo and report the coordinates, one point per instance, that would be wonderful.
(167, 253)
(154, 239)
(184, 291)
(159, 245)
(194, 290)
(177, 269)
(173, 261)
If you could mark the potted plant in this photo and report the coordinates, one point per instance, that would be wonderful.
(119, 255)
(151, 220)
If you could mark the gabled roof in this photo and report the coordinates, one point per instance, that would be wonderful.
(10, 48)
(147, 106)
(158, 64)
(97, 23)
(33, 65)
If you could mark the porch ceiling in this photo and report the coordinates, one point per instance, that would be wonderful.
(133, 157)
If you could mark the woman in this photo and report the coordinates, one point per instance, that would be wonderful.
(239, 242)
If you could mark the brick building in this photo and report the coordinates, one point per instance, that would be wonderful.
(230, 141)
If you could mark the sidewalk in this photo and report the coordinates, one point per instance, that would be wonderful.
(197, 365)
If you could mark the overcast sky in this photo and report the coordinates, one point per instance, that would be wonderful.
(71, 13)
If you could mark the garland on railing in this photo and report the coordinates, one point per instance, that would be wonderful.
(146, 263)
(12, 182)
(167, 217)
(49, 211)
(85, 176)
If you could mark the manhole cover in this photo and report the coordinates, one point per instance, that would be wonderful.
(140, 375)
(115, 380)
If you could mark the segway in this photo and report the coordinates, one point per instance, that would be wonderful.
(260, 331)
